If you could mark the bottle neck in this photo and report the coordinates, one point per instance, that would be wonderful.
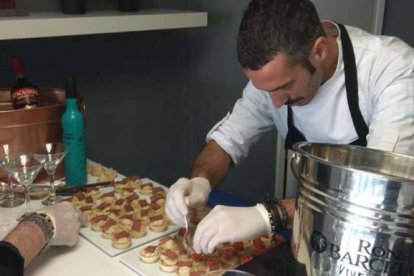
(71, 103)
(18, 69)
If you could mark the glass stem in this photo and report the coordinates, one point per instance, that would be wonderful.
(28, 210)
(52, 194)
(10, 194)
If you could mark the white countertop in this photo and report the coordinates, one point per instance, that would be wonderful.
(85, 259)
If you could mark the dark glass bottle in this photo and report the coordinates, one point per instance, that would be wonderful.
(24, 94)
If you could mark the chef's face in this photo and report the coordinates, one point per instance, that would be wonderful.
(286, 83)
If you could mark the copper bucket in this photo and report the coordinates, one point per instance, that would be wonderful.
(30, 127)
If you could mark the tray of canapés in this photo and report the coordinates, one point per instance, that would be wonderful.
(127, 214)
(168, 255)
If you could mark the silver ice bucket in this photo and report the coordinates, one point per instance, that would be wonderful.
(354, 210)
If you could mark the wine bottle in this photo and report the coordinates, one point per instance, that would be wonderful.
(73, 137)
(24, 94)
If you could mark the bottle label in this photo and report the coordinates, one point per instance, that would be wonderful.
(25, 96)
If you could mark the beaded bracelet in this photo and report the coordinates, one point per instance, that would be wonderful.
(46, 225)
(277, 207)
(274, 218)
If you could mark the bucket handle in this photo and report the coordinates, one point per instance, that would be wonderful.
(294, 164)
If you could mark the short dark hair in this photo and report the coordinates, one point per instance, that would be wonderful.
(272, 26)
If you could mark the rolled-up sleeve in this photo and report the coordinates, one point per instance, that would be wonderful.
(250, 117)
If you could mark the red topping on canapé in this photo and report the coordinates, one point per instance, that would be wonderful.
(197, 257)
(245, 258)
(156, 197)
(119, 202)
(85, 208)
(182, 231)
(238, 245)
(120, 235)
(155, 206)
(99, 218)
(159, 217)
(143, 203)
(170, 254)
(258, 243)
(103, 206)
(128, 208)
(132, 197)
(228, 253)
(194, 220)
(150, 249)
(144, 213)
(212, 262)
(108, 224)
(136, 224)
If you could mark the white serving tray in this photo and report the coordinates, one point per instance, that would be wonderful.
(106, 245)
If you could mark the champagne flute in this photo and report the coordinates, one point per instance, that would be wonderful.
(25, 169)
(7, 153)
(50, 155)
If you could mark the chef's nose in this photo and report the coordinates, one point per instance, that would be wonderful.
(279, 99)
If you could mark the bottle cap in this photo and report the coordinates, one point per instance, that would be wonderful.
(70, 88)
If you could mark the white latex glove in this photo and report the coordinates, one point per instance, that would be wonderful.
(230, 224)
(67, 220)
(186, 194)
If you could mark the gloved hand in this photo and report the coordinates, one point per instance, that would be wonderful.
(67, 220)
(230, 224)
(186, 194)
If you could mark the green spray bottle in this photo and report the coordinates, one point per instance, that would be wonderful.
(73, 137)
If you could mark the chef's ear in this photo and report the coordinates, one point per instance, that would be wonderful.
(319, 49)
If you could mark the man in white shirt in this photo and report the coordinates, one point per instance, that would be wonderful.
(314, 81)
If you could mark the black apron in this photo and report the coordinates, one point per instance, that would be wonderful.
(351, 83)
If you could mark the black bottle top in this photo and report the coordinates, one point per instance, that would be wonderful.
(70, 88)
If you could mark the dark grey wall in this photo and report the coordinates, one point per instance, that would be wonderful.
(151, 96)
(216, 82)
(399, 20)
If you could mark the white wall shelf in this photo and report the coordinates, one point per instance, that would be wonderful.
(53, 24)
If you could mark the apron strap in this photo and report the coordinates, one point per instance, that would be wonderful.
(294, 135)
(351, 84)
